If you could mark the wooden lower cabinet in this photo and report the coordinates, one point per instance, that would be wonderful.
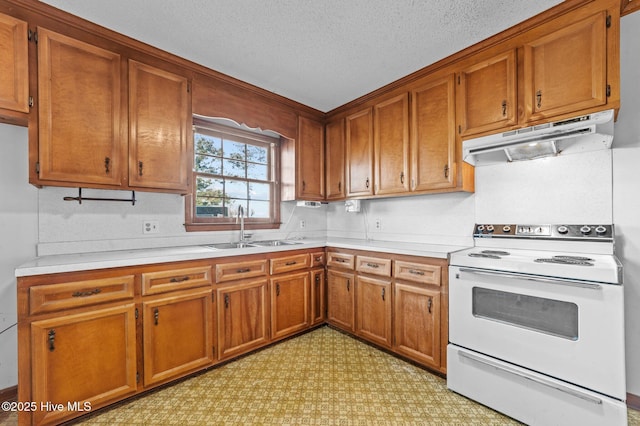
(318, 296)
(289, 304)
(373, 310)
(177, 334)
(80, 362)
(417, 323)
(242, 312)
(341, 299)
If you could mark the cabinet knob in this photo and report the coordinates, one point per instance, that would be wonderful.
(140, 167)
(156, 315)
(383, 291)
(539, 98)
(367, 183)
(446, 171)
(107, 164)
(402, 178)
(277, 289)
(504, 108)
(430, 304)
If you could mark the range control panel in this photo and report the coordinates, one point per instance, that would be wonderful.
(554, 232)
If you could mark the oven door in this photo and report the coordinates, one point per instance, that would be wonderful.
(571, 330)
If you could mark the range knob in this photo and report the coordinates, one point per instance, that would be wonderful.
(585, 230)
(506, 229)
(480, 228)
(601, 230)
(490, 228)
(563, 229)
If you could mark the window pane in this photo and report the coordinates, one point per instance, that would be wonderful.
(208, 144)
(257, 154)
(259, 209)
(207, 164)
(236, 189)
(257, 171)
(234, 150)
(259, 191)
(235, 168)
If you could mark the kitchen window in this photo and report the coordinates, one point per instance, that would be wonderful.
(233, 167)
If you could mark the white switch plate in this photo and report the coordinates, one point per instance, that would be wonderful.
(150, 226)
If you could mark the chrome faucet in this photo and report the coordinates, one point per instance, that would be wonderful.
(240, 217)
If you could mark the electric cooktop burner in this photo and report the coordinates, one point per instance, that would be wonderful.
(567, 260)
(490, 254)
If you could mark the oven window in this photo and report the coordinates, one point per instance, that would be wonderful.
(548, 316)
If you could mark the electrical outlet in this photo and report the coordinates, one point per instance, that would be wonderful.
(150, 226)
(378, 224)
(303, 224)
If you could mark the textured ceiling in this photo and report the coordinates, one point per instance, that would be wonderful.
(322, 53)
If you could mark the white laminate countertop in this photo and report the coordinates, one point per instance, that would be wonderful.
(120, 258)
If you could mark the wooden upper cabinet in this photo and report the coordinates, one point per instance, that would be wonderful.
(14, 58)
(159, 128)
(359, 153)
(310, 160)
(487, 95)
(391, 145)
(433, 137)
(335, 156)
(81, 127)
(566, 69)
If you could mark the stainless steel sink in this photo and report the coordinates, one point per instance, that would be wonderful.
(224, 246)
(275, 243)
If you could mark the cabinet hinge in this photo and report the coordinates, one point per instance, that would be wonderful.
(608, 90)
(136, 313)
(32, 35)
(30, 101)
(458, 79)
(188, 87)
(608, 21)
(459, 129)
(37, 167)
(137, 375)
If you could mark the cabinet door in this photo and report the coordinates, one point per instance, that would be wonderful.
(417, 323)
(318, 296)
(310, 160)
(177, 335)
(373, 305)
(565, 70)
(242, 317)
(391, 145)
(340, 299)
(433, 138)
(289, 304)
(87, 357)
(360, 153)
(487, 96)
(81, 127)
(159, 128)
(334, 165)
(14, 69)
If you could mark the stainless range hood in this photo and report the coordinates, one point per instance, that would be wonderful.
(581, 134)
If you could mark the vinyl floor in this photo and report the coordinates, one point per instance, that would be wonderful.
(320, 378)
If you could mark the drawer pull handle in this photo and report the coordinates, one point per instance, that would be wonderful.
(539, 98)
(348, 285)
(337, 259)
(243, 270)
(156, 315)
(415, 272)
(373, 265)
(107, 163)
(319, 259)
(140, 167)
(179, 280)
(293, 262)
(430, 304)
(52, 339)
(86, 293)
(383, 291)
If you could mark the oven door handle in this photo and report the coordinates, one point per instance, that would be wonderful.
(538, 380)
(527, 277)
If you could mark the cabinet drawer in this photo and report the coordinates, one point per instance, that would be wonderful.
(239, 270)
(175, 279)
(55, 297)
(340, 260)
(317, 259)
(373, 265)
(417, 272)
(290, 263)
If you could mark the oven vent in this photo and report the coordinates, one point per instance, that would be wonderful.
(590, 132)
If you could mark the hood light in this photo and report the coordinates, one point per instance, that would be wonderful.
(531, 151)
